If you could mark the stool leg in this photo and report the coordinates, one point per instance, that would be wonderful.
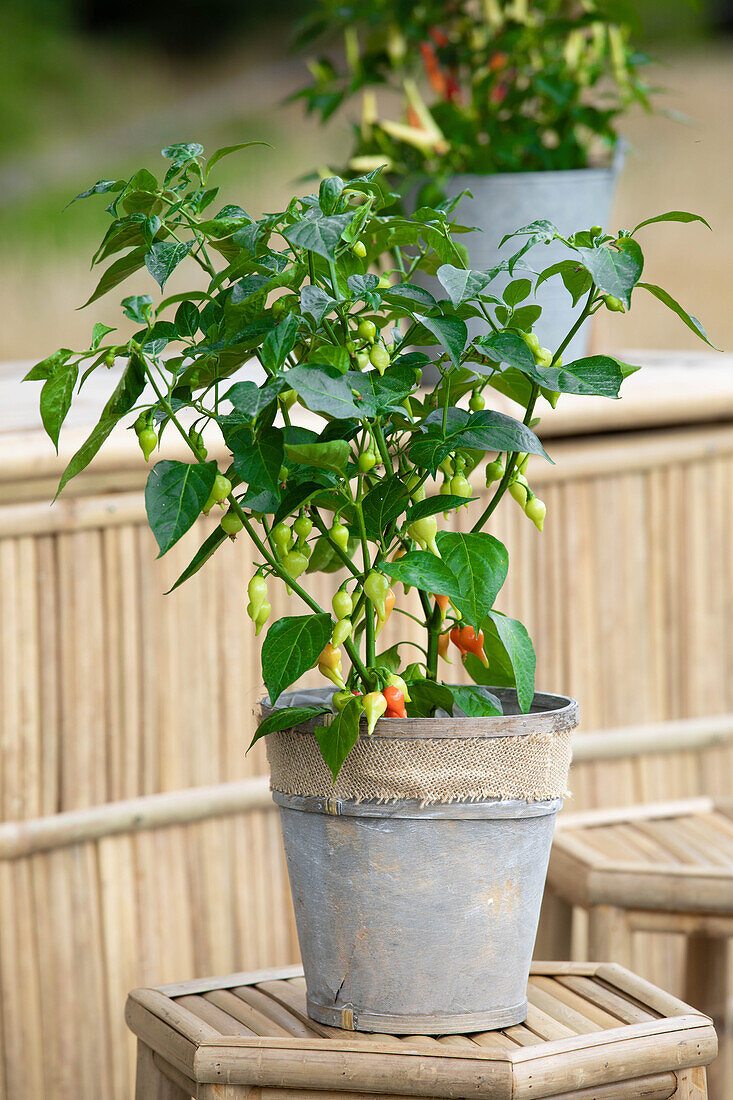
(691, 1085)
(150, 1083)
(609, 935)
(555, 929)
(706, 988)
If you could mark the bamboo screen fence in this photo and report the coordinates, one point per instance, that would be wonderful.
(111, 691)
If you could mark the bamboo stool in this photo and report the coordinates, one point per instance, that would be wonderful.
(665, 867)
(593, 1032)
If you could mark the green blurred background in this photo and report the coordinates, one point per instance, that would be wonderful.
(91, 89)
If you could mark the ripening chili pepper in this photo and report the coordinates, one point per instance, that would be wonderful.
(374, 707)
(433, 70)
(423, 531)
(359, 249)
(231, 524)
(519, 489)
(397, 681)
(614, 304)
(536, 510)
(282, 536)
(342, 604)
(389, 602)
(340, 535)
(494, 471)
(379, 358)
(532, 341)
(341, 632)
(262, 616)
(148, 441)
(467, 641)
(395, 702)
(497, 61)
(295, 562)
(376, 587)
(329, 665)
(442, 602)
(257, 591)
(303, 527)
(220, 490)
(367, 330)
(367, 460)
(443, 641)
(477, 402)
(341, 698)
(197, 442)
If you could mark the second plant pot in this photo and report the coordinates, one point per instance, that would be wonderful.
(417, 878)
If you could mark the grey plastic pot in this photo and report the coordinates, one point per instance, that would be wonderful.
(421, 919)
(501, 203)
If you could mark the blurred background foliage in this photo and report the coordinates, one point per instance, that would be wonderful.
(91, 89)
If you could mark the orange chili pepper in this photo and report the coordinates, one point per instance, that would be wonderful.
(442, 602)
(443, 646)
(389, 602)
(433, 71)
(467, 641)
(395, 702)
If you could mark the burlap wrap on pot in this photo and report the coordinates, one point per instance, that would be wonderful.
(532, 766)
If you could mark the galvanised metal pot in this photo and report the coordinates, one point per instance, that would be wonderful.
(421, 918)
(571, 200)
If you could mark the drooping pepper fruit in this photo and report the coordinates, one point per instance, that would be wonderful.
(282, 536)
(536, 510)
(339, 534)
(257, 592)
(231, 524)
(398, 682)
(376, 588)
(296, 562)
(262, 616)
(395, 702)
(389, 602)
(423, 531)
(341, 632)
(148, 441)
(375, 705)
(467, 641)
(329, 665)
(443, 641)
(220, 490)
(342, 604)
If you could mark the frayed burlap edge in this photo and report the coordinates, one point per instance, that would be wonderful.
(531, 767)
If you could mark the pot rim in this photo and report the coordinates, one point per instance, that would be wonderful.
(550, 713)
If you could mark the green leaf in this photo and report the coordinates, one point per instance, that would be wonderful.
(202, 555)
(479, 563)
(319, 235)
(407, 296)
(383, 504)
(56, 396)
(279, 342)
(284, 718)
(129, 388)
(516, 292)
(292, 646)
(101, 187)
(315, 302)
(45, 369)
(332, 455)
(426, 697)
(227, 149)
(692, 322)
(450, 332)
(598, 376)
(182, 151)
(249, 399)
(613, 272)
(175, 494)
(257, 457)
(323, 390)
(359, 285)
(476, 702)
(518, 646)
(672, 216)
(425, 571)
(337, 739)
(432, 505)
(117, 272)
(138, 308)
(461, 284)
(164, 257)
(98, 334)
(293, 497)
(576, 279)
(494, 431)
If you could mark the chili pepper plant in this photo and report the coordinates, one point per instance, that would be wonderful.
(321, 296)
(530, 85)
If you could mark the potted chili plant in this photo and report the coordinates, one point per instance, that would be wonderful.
(515, 104)
(417, 812)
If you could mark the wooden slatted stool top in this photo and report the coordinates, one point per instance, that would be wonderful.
(675, 856)
(592, 1031)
